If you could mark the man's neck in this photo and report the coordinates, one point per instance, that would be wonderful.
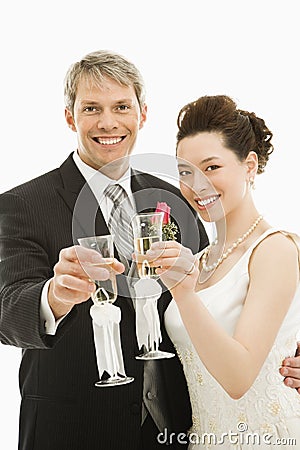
(115, 170)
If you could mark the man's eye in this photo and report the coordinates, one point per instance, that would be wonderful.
(90, 109)
(123, 107)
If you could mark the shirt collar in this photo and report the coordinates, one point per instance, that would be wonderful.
(98, 181)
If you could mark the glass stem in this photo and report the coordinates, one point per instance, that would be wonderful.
(113, 350)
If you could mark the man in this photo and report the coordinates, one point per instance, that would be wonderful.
(45, 292)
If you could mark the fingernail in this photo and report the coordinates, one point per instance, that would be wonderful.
(284, 372)
(91, 287)
(288, 382)
(150, 253)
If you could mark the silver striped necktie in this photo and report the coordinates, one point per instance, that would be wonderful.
(119, 221)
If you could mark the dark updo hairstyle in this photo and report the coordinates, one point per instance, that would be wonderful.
(240, 131)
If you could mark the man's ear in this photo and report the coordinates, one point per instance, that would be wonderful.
(70, 119)
(143, 117)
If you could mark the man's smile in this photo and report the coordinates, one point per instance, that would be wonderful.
(109, 140)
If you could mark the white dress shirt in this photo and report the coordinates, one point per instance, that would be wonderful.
(97, 182)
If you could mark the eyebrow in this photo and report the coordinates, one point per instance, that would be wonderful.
(211, 158)
(204, 161)
(90, 102)
(183, 165)
(85, 101)
(117, 100)
(124, 100)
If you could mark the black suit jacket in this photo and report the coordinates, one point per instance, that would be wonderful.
(61, 409)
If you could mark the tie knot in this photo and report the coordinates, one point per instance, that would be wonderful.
(115, 192)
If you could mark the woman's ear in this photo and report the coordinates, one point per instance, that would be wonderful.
(252, 164)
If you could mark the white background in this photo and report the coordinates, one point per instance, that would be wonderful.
(184, 49)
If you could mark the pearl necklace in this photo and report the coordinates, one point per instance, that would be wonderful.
(229, 250)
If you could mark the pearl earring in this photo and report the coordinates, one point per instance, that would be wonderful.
(251, 183)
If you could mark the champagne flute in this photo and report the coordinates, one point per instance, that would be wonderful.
(147, 229)
(106, 292)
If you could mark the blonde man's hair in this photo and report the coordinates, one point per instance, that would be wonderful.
(97, 66)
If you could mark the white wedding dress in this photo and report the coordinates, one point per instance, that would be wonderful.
(268, 415)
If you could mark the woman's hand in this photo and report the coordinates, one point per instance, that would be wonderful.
(178, 268)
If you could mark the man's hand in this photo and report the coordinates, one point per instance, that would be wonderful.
(290, 369)
(73, 274)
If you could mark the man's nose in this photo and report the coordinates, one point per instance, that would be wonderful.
(107, 120)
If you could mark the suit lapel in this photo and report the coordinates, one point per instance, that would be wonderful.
(145, 195)
(87, 219)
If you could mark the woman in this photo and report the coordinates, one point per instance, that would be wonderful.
(235, 309)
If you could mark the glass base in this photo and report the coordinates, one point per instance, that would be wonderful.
(114, 381)
(155, 354)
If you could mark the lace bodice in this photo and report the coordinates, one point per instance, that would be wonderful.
(269, 406)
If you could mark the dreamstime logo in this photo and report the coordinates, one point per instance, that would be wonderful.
(239, 437)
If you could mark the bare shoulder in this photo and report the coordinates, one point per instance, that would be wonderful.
(276, 246)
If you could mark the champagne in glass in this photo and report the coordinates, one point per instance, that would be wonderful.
(106, 292)
(147, 229)
(142, 245)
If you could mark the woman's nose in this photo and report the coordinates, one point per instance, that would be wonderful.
(200, 182)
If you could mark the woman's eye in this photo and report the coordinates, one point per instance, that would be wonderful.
(212, 167)
(184, 173)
